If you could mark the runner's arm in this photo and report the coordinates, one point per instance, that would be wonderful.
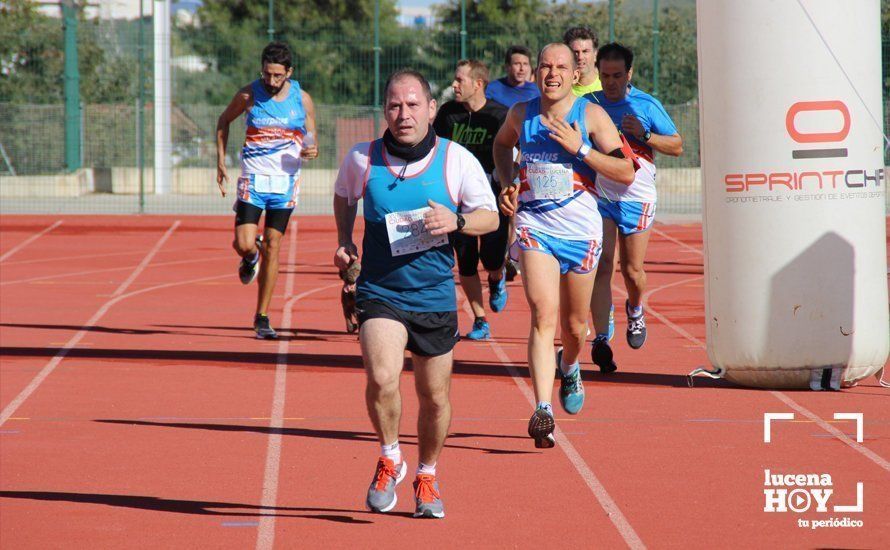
(237, 106)
(347, 191)
(310, 151)
(604, 135)
(502, 154)
(504, 142)
(669, 145)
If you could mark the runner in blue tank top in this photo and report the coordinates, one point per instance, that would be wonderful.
(559, 231)
(417, 189)
(280, 122)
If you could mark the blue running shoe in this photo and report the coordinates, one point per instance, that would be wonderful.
(481, 330)
(611, 322)
(571, 389)
(497, 294)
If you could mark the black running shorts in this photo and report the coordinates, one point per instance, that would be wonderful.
(429, 334)
(276, 218)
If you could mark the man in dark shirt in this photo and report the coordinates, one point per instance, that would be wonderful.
(472, 120)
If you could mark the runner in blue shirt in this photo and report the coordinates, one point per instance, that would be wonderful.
(627, 210)
(514, 87)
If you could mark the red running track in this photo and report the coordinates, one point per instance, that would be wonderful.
(139, 411)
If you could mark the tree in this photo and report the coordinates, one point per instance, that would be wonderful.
(331, 41)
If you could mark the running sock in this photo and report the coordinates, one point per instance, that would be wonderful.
(602, 336)
(546, 406)
(568, 370)
(392, 452)
(481, 319)
(426, 469)
(255, 258)
(634, 312)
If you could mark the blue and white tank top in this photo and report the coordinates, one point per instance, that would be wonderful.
(274, 136)
(556, 192)
(402, 264)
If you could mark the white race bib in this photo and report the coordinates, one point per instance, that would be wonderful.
(276, 185)
(550, 181)
(407, 234)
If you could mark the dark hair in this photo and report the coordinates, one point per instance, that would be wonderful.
(580, 33)
(478, 69)
(278, 53)
(513, 50)
(614, 51)
(408, 73)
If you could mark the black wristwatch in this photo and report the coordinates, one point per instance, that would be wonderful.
(647, 136)
(461, 221)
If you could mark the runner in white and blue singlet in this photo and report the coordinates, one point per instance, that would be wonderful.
(627, 210)
(557, 222)
(416, 189)
(280, 134)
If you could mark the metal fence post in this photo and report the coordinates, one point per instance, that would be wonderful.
(376, 68)
(72, 88)
(463, 29)
(655, 34)
(271, 29)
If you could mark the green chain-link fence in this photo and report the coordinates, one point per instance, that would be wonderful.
(333, 66)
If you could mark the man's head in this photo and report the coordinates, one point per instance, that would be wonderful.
(408, 106)
(615, 65)
(470, 79)
(277, 66)
(556, 71)
(517, 64)
(583, 43)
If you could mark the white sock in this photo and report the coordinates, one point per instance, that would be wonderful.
(569, 369)
(545, 405)
(426, 469)
(634, 312)
(392, 452)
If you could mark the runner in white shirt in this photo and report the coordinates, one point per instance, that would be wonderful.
(416, 188)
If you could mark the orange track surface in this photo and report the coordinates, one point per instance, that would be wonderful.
(139, 412)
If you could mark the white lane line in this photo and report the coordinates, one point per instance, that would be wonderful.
(28, 241)
(266, 532)
(858, 447)
(10, 409)
(606, 501)
(871, 455)
(226, 257)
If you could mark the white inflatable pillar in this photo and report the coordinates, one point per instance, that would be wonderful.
(794, 191)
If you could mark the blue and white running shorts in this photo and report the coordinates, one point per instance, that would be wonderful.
(630, 216)
(269, 192)
(576, 256)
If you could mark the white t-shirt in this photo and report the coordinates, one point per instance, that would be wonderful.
(467, 183)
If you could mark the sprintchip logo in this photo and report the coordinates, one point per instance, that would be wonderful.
(825, 137)
(818, 130)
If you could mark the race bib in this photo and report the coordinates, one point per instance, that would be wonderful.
(550, 181)
(276, 185)
(407, 234)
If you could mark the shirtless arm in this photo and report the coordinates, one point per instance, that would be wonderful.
(311, 151)
(238, 105)
(502, 153)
